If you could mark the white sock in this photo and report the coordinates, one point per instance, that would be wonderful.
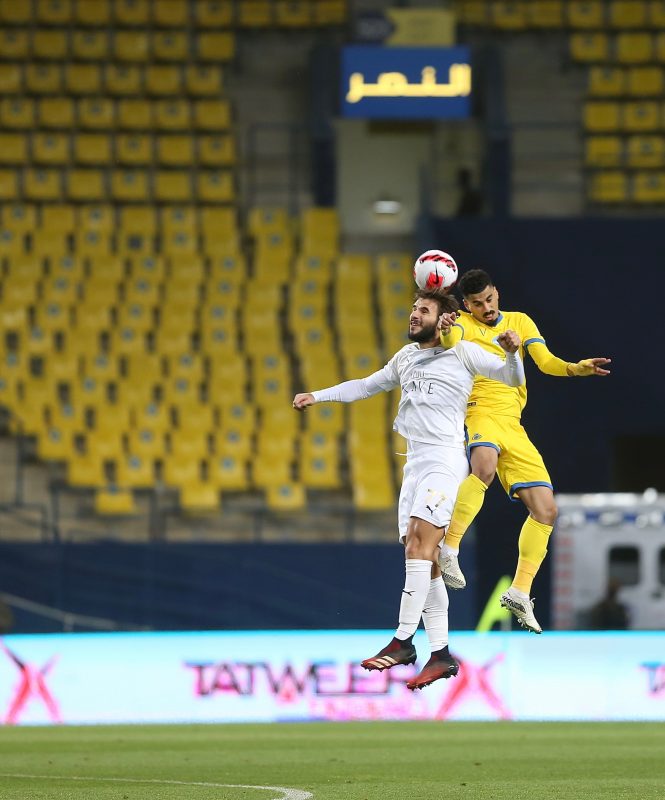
(414, 594)
(435, 615)
(447, 550)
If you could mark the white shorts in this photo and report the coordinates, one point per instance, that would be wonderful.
(432, 475)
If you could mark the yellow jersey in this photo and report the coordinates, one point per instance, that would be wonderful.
(491, 396)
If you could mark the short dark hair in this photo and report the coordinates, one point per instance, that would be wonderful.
(446, 302)
(474, 281)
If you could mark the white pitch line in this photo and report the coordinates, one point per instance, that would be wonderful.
(287, 794)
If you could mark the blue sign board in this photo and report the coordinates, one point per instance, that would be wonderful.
(405, 82)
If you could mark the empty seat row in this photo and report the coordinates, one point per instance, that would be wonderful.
(103, 113)
(138, 46)
(637, 152)
(619, 187)
(130, 185)
(606, 81)
(628, 117)
(126, 149)
(176, 14)
(123, 80)
(576, 14)
(622, 48)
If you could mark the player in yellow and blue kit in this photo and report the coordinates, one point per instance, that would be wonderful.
(498, 444)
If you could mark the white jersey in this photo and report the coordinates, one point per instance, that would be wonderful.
(436, 385)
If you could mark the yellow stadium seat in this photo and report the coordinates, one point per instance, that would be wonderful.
(627, 14)
(8, 191)
(13, 148)
(606, 81)
(147, 442)
(135, 471)
(96, 113)
(180, 472)
(95, 13)
(212, 115)
(86, 185)
(222, 220)
(85, 471)
(58, 218)
(42, 184)
(54, 12)
(173, 187)
(288, 496)
(148, 367)
(203, 80)
(56, 112)
(639, 117)
(545, 13)
(330, 12)
(114, 502)
(175, 151)
(133, 149)
(320, 471)
(263, 220)
(14, 44)
(131, 46)
(659, 47)
(135, 114)
(170, 46)
(15, 13)
(132, 12)
(215, 187)
(188, 444)
(586, 14)
(83, 79)
(142, 219)
(129, 185)
(90, 45)
(170, 14)
(649, 188)
(49, 44)
(213, 14)
(19, 217)
(217, 46)
(634, 48)
(11, 242)
(17, 112)
(93, 148)
(645, 152)
(589, 47)
(172, 115)
(179, 244)
(608, 187)
(266, 471)
(602, 117)
(216, 151)
(199, 497)
(179, 218)
(123, 80)
(254, 13)
(228, 473)
(645, 81)
(162, 79)
(508, 16)
(11, 79)
(656, 14)
(97, 217)
(43, 78)
(54, 444)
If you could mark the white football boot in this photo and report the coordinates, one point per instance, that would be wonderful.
(521, 606)
(452, 575)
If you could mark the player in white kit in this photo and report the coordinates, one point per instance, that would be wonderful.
(435, 385)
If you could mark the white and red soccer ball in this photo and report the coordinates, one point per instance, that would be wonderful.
(435, 270)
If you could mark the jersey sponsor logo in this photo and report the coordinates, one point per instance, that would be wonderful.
(476, 436)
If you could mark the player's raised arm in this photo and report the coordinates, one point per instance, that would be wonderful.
(480, 362)
(349, 391)
(550, 364)
(450, 332)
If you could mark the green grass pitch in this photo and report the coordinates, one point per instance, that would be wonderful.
(335, 761)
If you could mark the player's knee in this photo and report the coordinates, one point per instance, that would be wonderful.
(484, 472)
(547, 512)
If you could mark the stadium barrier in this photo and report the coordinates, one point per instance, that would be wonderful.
(260, 676)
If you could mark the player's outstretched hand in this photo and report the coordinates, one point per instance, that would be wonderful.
(446, 321)
(589, 366)
(509, 341)
(301, 401)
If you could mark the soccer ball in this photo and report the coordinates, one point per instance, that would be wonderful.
(435, 270)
